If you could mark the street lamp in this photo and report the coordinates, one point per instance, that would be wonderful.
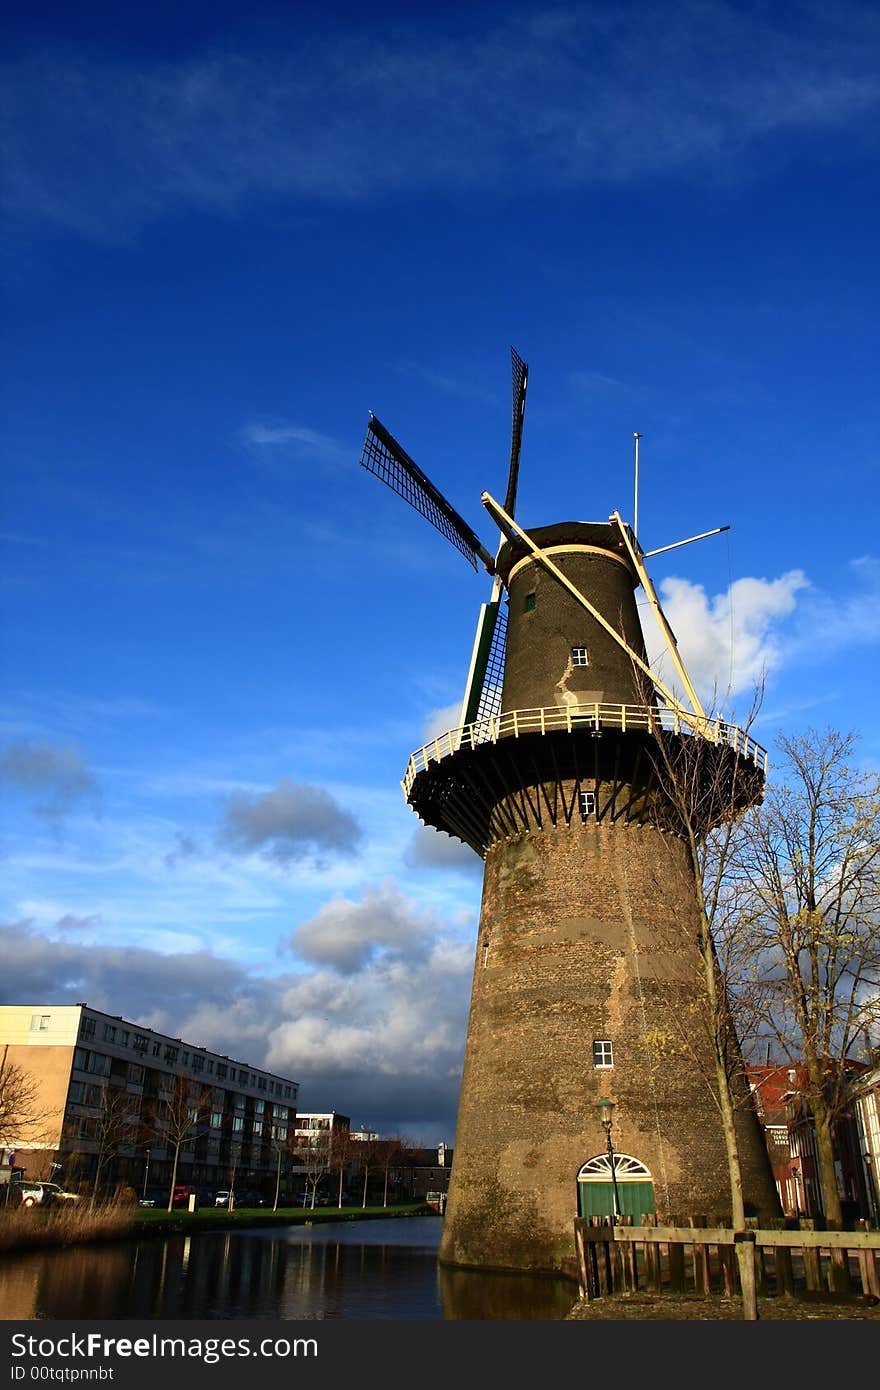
(605, 1110)
(795, 1173)
(146, 1171)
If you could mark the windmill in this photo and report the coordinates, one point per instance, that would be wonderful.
(584, 965)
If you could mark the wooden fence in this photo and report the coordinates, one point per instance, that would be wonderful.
(704, 1259)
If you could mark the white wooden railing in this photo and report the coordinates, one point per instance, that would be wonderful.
(514, 723)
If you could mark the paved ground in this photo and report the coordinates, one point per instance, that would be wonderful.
(674, 1307)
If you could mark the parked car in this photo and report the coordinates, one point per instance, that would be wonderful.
(180, 1197)
(61, 1194)
(221, 1199)
(147, 1202)
(36, 1194)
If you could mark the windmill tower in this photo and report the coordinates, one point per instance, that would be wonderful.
(587, 982)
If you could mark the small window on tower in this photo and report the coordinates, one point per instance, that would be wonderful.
(529, 605)
(603, 1053)
(580, 656)
(588, 805)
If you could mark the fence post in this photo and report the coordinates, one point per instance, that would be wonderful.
(812, 1268)
(652, 1259)
(702, 1283)
(838, 1266)
(868, 1265)
(677, 1280)
(744, 1246)
(584, 1280)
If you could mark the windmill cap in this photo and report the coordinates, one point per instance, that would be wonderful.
(596, 535)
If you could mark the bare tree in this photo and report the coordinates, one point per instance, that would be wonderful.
(390, 1154)
(706, 779)
(22, 1114)
(284, 1146)
(368, 1154)
(113, 1129)
(314, 1156)
(178, 1118)
(809, 878)
(340, 1159)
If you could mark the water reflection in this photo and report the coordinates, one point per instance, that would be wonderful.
(375, 1269)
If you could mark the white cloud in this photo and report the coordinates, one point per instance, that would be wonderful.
(440, 721)
(297, 440)
(348, 934)
(431, 849)
(59, 775)
(727, 642)
(289, 822)
(381, 1041)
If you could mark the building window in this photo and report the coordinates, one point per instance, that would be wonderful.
(135, 1074)
(40, 1022)
(186, 1059)
(210, 1065)
(216, 1119)
(124, 1037)
(109, 1032)
(157, 1049)
(279, 1132)
(141, 1042)
(580, 656)
(75, 1093)
(530, 603)
(287, 1093)
(237, 1124)
(258, 1127)
(603, 1053)
(281, 1112)
(243, 1077)
(262, 1083)
(588, 804)
(198, 1062)
(171, 1054)
(87, 1028)
(222, 1071)
(80, 1058)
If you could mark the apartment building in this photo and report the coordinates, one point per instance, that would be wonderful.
(87, 1063)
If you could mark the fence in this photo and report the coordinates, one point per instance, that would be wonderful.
(703, 1259)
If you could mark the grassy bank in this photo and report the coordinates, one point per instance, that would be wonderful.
(149, 1221)
(29, 1229)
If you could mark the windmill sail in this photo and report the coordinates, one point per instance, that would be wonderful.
(520, 373)
(482, 698)
(383, 456)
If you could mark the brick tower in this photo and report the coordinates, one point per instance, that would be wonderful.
(587, 982)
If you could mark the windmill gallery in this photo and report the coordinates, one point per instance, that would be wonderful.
(585, 980)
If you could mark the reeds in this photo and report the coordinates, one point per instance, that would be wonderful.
(73, 1223)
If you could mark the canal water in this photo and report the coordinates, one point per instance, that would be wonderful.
(346, 1269)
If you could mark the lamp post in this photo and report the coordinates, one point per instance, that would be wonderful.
(605, 1110)
(795, 1173)
(146, 1171)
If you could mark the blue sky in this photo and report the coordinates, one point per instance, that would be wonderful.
(230, 232)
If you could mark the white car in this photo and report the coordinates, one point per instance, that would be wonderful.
(221, 1199)
(35, 1194)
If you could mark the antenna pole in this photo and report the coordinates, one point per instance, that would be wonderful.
(636, 437)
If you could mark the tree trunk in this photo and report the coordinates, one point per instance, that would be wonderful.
(827, 1171)
(173, 1178)
(277, 1183)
